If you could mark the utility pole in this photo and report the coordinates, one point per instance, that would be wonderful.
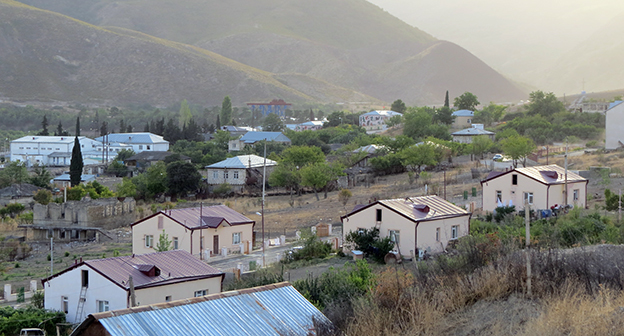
(263, 186)
(565, 185)
(51, 256)
(201, 236)
(445, 184)
(132, 296)
(620, 206)
(527, 245)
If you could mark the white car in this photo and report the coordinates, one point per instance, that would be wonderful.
(498, 157)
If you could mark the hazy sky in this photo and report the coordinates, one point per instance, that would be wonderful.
(518, 38)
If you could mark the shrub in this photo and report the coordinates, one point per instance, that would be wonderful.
(312, 248)
(368, 241)
(43, 196)
(344, 195)
(222, 189)
(501, 212)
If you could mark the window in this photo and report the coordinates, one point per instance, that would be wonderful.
(140, 146)
(499, 196)
(167, 298)
(437, 234)
(27, 147)
(58, 149)
(225, 174)
(575, 195)
(51, 148)
(149, 241)
(65, 304)
(85, 278)
(395, 236)
(469, 121)
(514, 179)
(236, 238)
(236, 175)
(102, 306)
(175, 243)
(160, 222)
(454, 231)
(379, 215)
(201, 292)
(528, 197)
(148, 147)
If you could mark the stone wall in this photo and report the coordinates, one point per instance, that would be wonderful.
(108, 213)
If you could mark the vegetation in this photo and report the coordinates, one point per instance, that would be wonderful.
(13, 320)
(467, 101)
(76, 164)
(164, 243)
(368, 241)
(312, 248)
(43, 196)
(94, 189)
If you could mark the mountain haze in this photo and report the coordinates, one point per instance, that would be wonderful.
(345, 45)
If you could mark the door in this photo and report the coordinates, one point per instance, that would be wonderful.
(215, 244)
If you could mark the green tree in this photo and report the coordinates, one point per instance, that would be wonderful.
(104, 128)
(398, 106)
(126, 188)
(489, 114)
(76, 164)
(467, 101)
(117, 168)
(60, 131)
(151, 183)
(123, 154)
(44, 126)
(518, 147)
(182, 177)
(186, 114)
(444, 115)
(43, 196)
(446, 100)
(316, 176)
(344, 195)
(481, 144)
(272, 123)
(13, 172)
(77, 126)
(226, 111)
(394, 120)
(544, 104)
(302, 155)
(414, 157)
(286, 175)
(41, 176)
(164, 244)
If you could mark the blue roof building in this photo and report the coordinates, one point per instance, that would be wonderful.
(463, 113)
(139, 142)
(251, 138)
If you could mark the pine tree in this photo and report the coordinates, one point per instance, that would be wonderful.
(446, 100)
(218, 123)
(122, 126)
(44, 125)
(311, 115)
(164, 244)
(185, 113)
(76, 164)
(226, 111)
(129, 129)
(77, 126)
(104, 128)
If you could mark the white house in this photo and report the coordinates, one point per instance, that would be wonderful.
(463, 118)
(195, 230)
(309, 126)
(52, 150)
(252, 138)
(415, 224)
(235, 171)
(614, 126)
(100, 285)
(542, 186)
(376, 120)
(138, 142)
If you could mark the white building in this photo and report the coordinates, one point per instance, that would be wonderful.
(52, 150)
(309, 126)
(466, 135)
(235, 171)
(614, 137)
(100, 285)
(138, 142)
(376, 120)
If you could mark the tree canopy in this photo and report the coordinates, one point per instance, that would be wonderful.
(272, 123)
(398, 106)
(302, 155)
(76, 164)
(518, 147)
(182, 177)
(544, 104)
(467, 101)
(226, 111)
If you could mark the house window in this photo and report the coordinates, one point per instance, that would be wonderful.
(514, 179)
(215, 175)
(528, 197)
(160, 223)
(469, 121)
(236, 175)
(175, 243)
(140, 146)
(65, 304)
(201, 292)
(575, 195)
(226, 174)
(58, 149)
(27, 147)
(149, 241)
(454, 231)
(167, 298)
(395, 236)
(437, 234)
(148, 147)
(499, 196)
(85, 278)
(102, 306)
(379, 215)
(236, 238)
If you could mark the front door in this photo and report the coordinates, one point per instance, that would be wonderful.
(215, 244)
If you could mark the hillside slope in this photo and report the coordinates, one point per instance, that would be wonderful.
(348, 43)
(47, 56)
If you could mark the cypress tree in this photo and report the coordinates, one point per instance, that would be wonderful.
(226, 111)
(311, 115)
(77, 126)
(44, 125)
(446, 100)
(76, 164)
(218, 123)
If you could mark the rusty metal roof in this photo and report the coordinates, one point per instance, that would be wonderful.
(551, 174)
(277, 309)
(207, 217)
(419, 208)
(175, 266)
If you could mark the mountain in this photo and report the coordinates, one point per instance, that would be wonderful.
(349, 44)
(48, 56)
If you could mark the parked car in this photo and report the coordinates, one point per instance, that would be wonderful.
(498, 157)
(32, 332)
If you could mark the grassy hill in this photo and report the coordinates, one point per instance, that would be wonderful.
(348, 43)
(47, 56)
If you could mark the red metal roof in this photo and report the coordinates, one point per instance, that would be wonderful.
(175, 266)
(419, 208)
(206, 217)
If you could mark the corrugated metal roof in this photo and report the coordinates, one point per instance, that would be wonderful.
(269, 136)
(544, 174)
(211, 216)
(243, 161)
(48, 139)
(412, 207)
(67, 178)
(371, 149)
(614, 104)
(463, 113)
(473, 131)
(175, 266)
(154, 156)
(277, 309)
(134, 138)
(386, 113)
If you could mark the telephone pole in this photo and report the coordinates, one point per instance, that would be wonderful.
(527, 244)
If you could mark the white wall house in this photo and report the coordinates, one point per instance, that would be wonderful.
(52, 150)
(614, 126)
(234, 171)
(417, 224)
(138, 142)
(463, 118)
(103, 284)
(466, 135)
(253, 137)
(309, 126)
(376, 120)
(542, 186)
(195, 230)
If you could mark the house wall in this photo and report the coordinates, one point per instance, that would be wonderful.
(543, 196)
(462, 122)
(69, 284)
(37, 151)
(108, 213)
(426, 233)
(235, 145)
(614, 127)
(217, 176)
(225, 233)
(178, 291)
(466, 139)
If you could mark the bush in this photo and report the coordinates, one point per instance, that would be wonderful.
(501, 212)
(43, 196)
(11, 209)
(368, 241)
(13, 320)
(222, 189)
(312, 248)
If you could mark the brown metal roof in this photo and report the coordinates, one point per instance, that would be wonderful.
(175, 266)
(551, 174)
(421, 208)
(204, 217)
